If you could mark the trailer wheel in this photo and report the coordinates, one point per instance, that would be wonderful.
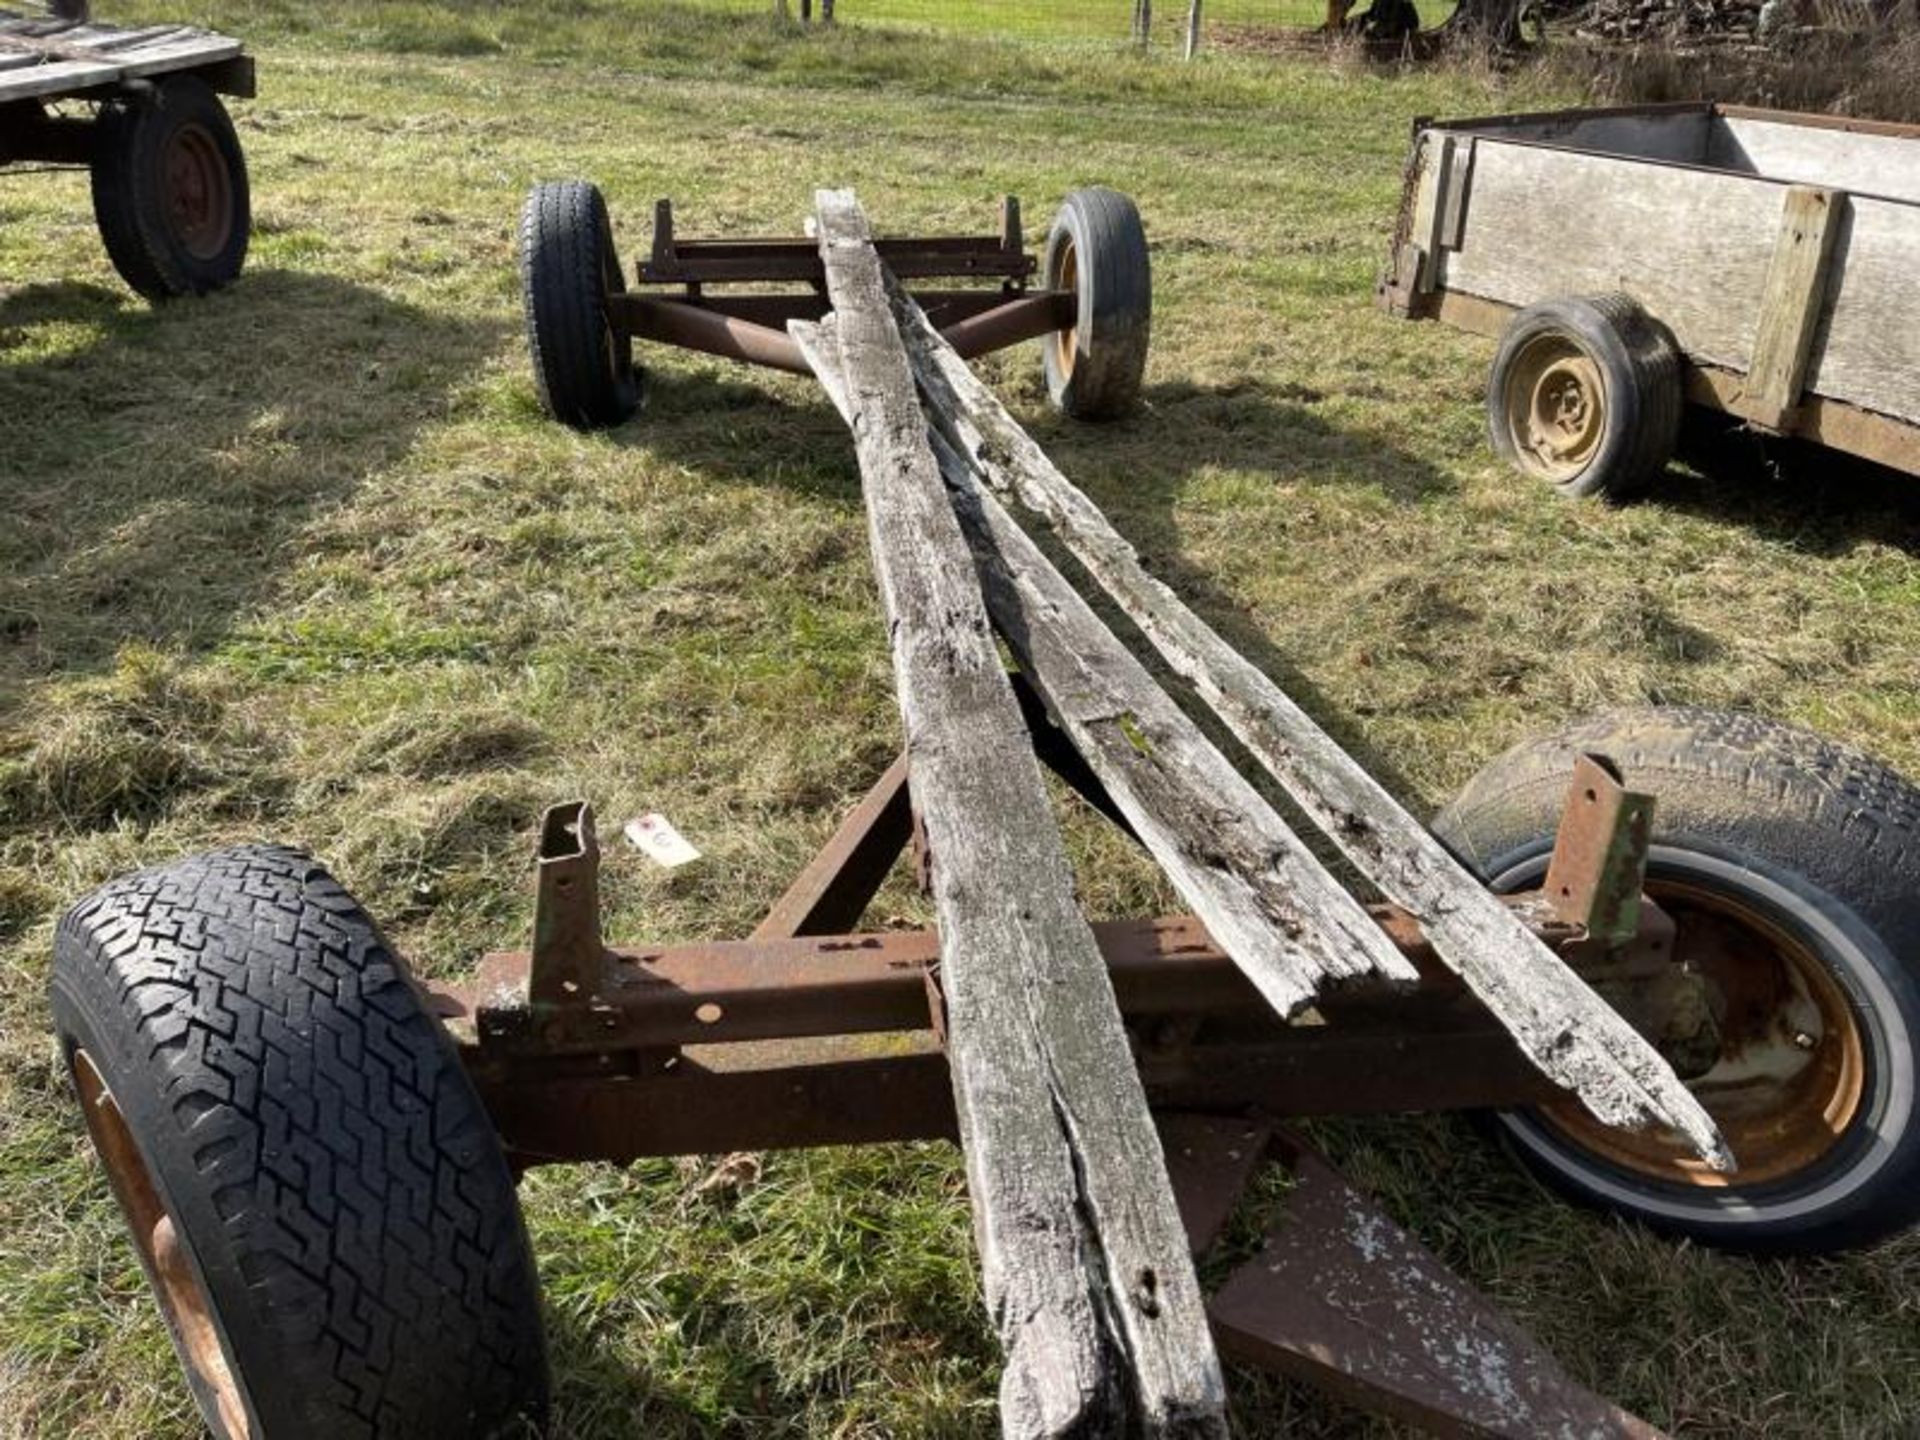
(582, 362)
(1585, 394)
(170, 189)
(1098, 250)
(319, 1202)
(1791, 866)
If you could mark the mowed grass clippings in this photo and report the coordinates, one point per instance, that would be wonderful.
(303, 561)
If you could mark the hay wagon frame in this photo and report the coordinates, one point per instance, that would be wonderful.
(140, 109)
(1656, 945)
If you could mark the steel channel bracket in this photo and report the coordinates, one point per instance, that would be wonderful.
(1600, 854)
(562, 999)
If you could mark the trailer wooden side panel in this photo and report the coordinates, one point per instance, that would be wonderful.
(1690, 245)
(1867, 351)
(1865, 162)
(1694, 247)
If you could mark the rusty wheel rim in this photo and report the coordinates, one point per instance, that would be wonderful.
(1555, 408)
(196, 192)
(183, 1300)
(1792, 1071)
(1066, 341)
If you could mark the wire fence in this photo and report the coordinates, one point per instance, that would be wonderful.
(1097, 21)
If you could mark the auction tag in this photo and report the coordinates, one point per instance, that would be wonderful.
(655, 837)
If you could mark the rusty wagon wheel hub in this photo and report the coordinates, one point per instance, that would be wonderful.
(183, 1300)
(1791, 1070)
(1066, 340)
(197, 192)
(1556, 408)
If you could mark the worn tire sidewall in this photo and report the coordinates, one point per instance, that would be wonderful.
(85, 995)
(179, 102)
(109, 1041)
(1789, 821)
(1884, 1137)
(594, 390)
(1580, 322)
(1107, 326)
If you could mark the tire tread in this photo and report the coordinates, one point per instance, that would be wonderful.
(327, 1158)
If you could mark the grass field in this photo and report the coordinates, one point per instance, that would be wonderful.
(304, 562)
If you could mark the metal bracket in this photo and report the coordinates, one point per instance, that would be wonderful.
(568, 953)
(1600, 853)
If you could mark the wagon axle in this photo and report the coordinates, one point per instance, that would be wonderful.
(810, 1033)
(1088, 289)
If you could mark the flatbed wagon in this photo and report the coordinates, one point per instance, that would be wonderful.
(1685, 980)
(1635, 261)
(140, 109)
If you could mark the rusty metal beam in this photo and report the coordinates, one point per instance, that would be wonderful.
(1341, 1297)
(1025, 317)
(672, 261)
(746, 327)
(813, 1093)
(733, 990)
(691, 1109)
(833, 892)
(568, 954)
(694, 327)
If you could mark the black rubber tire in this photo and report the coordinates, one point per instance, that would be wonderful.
(1825, 843)
(1640, 370)
(143, 236)
(582, 366)
(1096, 373)
(322, 1154)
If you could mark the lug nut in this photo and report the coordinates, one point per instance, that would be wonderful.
(1803, 1040)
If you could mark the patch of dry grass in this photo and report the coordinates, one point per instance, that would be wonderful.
(302, 561)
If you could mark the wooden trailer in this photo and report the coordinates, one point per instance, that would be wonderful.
(1637, 260)
(140, 108)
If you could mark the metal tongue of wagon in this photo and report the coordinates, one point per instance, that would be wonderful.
(1702, 925)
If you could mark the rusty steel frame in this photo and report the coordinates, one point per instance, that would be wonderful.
(809, 1033)
(751, 328)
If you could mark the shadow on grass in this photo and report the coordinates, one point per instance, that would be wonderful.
(1139, 470)
(160, 461)
(1815, 499)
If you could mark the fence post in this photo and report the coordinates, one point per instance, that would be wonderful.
(826, 12)
(1142, 21)
(1193, 28)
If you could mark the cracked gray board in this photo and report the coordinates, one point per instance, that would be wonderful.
(1083, 1257)
(1264, 898)
(1566, 1030)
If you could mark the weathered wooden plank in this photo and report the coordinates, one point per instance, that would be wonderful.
(1082, 1253)
(1264, 898)
(1867, 348)
(38, 68)
(1790, 304)
(1567, 1030)
(57, 78)
(1781, 149)
(1880, 438)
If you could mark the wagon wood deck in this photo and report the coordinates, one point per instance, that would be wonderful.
(44, 59)
(1081, 1248)
(1780, 250)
